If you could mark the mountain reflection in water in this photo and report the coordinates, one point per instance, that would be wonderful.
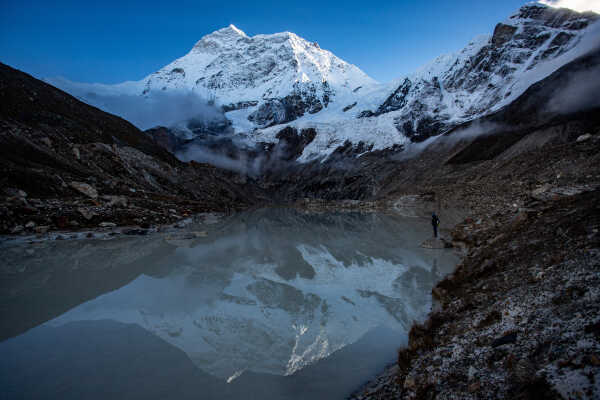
(273, 303)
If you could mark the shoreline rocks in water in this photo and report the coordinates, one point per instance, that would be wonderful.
(436, 243)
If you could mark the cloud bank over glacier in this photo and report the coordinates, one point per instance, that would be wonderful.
(577, 5)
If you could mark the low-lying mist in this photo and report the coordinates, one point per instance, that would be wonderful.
(239, 160)
(188, 116)
(156, 109)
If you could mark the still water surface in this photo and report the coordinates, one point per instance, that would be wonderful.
(269, 304)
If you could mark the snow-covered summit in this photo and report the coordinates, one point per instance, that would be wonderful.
(279, 76)
(265, 82)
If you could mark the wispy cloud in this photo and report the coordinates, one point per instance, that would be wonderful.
(577, 5)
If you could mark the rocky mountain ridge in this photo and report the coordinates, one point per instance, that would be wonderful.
(267, 82)
(67, 165)
(486, 75)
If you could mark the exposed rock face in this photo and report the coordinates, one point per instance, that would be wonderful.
(535, 108)
(279, 111)
(176, 138)
(304, 99)
(241, 105)
(165, 138)
(215, 125)
(253, 161)
(86, 189)
(397, 100)
(291, 144)
(349, 107)
(502, 34)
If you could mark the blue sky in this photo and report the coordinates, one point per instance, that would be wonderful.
(114, 41)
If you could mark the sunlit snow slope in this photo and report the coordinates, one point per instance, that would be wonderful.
(266, 82)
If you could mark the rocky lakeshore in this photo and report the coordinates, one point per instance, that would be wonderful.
(519, 317)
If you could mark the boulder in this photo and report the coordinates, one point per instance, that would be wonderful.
(506, 339)
(502, 34)
(435, 243)
(86, 189)
(119, 201)
(583, 138)
(86, 213)
(42, 229)
(46, 141)
(17, 229)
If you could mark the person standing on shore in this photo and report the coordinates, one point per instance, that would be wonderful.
(435, 221)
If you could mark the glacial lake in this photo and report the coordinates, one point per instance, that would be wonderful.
(268, 304)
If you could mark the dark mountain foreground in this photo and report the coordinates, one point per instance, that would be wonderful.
(519, 317)
(67, 165)
(518, 192)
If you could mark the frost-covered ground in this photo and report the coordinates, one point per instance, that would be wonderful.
(519, 317)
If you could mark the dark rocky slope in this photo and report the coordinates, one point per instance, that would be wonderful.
(65, 164)
(519, 317)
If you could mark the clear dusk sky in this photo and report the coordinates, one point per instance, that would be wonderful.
(113, 41)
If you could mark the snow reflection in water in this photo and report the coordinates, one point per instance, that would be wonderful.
(265, 294)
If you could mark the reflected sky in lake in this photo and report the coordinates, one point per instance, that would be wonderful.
(272, 297)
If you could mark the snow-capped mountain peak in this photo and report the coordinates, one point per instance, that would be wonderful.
(489, 73)
(265, 81)
(214, 41)
(274, 78)
(259, 80)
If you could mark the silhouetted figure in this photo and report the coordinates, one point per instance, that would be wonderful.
(435, 221)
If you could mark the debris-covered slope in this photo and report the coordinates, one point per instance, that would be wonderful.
(65, 164)
(519, 317)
